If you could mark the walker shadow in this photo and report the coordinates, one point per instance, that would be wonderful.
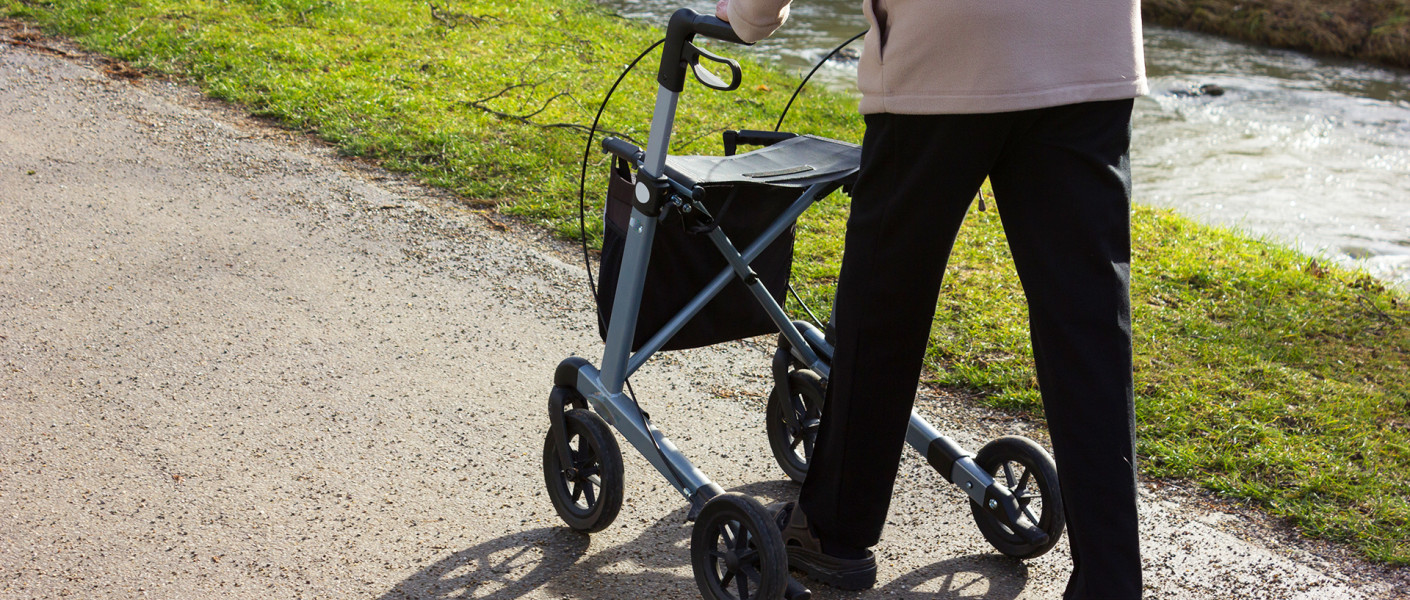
(986, 576)
(651, 565)
(555, 560)
(500, 569)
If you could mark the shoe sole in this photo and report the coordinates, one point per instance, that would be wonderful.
(838, 573)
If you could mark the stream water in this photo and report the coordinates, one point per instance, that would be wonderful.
(1306, 151)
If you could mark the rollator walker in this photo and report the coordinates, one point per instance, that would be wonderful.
(684, 202)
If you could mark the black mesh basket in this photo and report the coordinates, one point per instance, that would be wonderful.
(684, 260)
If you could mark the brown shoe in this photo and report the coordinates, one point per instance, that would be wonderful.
(805, 553)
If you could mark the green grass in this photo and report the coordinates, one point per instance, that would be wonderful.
(1259, 373)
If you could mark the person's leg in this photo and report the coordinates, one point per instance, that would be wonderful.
(919, 174)
(1062, 187)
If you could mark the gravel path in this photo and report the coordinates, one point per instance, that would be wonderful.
(234, 365)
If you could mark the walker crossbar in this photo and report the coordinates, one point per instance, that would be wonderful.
(739, 266)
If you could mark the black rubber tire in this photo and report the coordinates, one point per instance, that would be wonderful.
(589, 496)
(736, 544)
(1031, 475)
(806, 390)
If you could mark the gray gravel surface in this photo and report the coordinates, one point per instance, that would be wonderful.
(235, 365)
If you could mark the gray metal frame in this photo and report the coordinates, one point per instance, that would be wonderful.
(603, 388)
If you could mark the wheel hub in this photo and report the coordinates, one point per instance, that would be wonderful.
(732, 561)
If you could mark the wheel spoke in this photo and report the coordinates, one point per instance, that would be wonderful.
(589, 493)
(1023, 481)
(1008, 475)
(1031, 517)
(743, 588)
(727, 534)
(800, 408)
(577, 491)
(726, 578)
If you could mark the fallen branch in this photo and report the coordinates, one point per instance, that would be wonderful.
(1372, 306)
(527, 119)
(453, 19)
(531, 86)
(38, 47)
(493, 223)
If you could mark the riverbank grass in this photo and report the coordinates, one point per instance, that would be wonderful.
(1372, 30)
(1260, 373)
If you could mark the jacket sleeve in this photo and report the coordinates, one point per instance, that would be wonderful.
(754, 20)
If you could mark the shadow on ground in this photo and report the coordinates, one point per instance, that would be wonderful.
(555, 560)
(978, 576)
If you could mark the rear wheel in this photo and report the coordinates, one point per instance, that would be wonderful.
(792, 421)
(586, 492)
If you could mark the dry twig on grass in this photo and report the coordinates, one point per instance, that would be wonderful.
(452, 19)
(527, 118)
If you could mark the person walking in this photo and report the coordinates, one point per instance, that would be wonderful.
(1036, 96)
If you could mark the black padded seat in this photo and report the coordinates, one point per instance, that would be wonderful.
(796, 162)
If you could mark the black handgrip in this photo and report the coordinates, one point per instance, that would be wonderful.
(753, 137)
(684, 26)
(627, 150)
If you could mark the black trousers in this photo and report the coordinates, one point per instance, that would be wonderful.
(1061, 180)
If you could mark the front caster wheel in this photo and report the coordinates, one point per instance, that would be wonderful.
(1029, 473)
(586, 492)
(792, 420)
(737, 551)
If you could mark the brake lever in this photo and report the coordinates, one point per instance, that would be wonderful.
(707, 77)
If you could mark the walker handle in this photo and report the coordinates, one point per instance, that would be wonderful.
(621, 148)
(709, 26)
(684, 26)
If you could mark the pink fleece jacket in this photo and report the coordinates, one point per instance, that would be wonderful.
(976, 56)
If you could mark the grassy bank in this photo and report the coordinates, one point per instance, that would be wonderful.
(1260, 373)
(1374, 30)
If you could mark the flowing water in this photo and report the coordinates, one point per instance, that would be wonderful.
(1307, 151)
